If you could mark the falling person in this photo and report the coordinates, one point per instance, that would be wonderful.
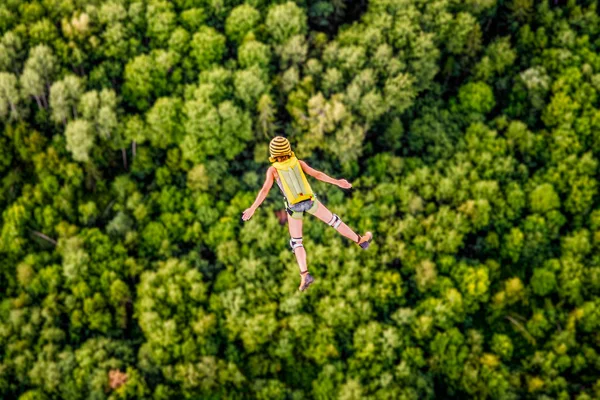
(299, 198)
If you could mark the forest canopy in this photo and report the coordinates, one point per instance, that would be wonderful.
(133, 133)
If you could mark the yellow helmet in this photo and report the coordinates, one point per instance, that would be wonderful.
(280, 147)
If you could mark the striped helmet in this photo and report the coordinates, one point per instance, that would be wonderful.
(280, 147)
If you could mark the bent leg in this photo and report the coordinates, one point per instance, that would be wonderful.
(326, 216)
(295, 228)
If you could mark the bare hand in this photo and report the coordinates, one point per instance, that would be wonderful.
(248, 214)
(344, 184)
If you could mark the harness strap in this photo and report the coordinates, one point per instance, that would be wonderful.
(295, 243)
(335, 221)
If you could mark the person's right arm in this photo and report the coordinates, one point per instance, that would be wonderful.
(264, 191)
(344, 184)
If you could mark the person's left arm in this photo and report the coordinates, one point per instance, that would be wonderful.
(262, 195)
(344, 184)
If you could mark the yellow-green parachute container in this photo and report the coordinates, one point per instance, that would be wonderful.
(293, 181)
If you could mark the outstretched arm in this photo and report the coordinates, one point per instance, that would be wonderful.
(344, 184)
(264, 191)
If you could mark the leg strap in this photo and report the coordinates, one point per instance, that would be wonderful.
(295, 243)
(287, 207)
(335, 221)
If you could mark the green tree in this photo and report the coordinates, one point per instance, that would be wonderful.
(284, 21)
(543, 199)
(476, 98)
(249, 85)
(161, 21)
(80, 139)
(207, 47)
(39, 71)
(64, 97)
(11, 49)
(252, 52)
(164, 122)
(9, 96)
(242, 19)
(146, 77)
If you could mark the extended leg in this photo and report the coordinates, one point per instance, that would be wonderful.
(295, 228)
(334, 221)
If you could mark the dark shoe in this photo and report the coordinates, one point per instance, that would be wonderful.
(307, 280)
(365, 240)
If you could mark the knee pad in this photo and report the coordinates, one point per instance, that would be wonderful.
(335, 222)
(295, 243)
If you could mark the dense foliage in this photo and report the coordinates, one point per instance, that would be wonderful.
(135, 132)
